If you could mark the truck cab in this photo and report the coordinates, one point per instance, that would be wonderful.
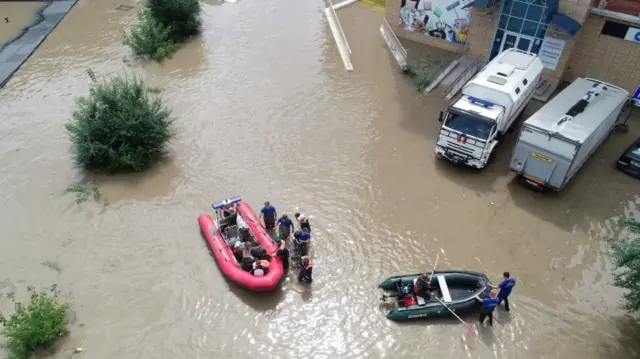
(469, 131)
(488, 105)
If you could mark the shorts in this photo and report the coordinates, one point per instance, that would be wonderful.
(269, 222)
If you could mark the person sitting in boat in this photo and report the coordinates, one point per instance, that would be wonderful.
(228, 210)
(247, 263)
(303, 221)
(423, 288)
(306, 270)
(261, 266)
(246, 250)
(228, 220)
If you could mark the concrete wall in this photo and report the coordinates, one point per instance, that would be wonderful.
(483, 26)
(604, 57)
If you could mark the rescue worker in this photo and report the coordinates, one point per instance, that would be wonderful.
(285, 227)
(303, 236)
(488, 306)
(306, 270)
(269, 215)
(506, 286)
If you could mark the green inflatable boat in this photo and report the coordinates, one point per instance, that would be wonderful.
(456, 289)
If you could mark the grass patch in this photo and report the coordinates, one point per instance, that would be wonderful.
(163, 25)
(34, 325)
(85, 191)
(120, 126)
(423, 72)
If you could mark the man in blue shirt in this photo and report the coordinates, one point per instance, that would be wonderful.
(506, 286)
(302, 236)
(268, 214)
(488, 306)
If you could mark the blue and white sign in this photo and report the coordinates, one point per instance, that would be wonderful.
(633, 34)
(636, 97)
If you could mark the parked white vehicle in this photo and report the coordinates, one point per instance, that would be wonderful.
(557, 140)
(487, 107)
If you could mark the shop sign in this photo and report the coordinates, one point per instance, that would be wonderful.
(636, 97)
(633, 34)
(550, 52)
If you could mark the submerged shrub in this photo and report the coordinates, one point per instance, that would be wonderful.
(183, 16)
(150, 39)
(34, 325)
(120, 126)
(163, 25)
(626, 258)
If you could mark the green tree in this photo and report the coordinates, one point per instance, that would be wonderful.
(182, 16)
(162, 26)
(150, 39)
(34, 325)
(120, 126)
(626, 258)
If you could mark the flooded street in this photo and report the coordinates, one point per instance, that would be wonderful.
(264, 109)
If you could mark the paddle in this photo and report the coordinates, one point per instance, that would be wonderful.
(466, 325)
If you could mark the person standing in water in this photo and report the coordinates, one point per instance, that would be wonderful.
(488, 306)
(269, 215)
(303, 221)
(506, 286)
(306, 270)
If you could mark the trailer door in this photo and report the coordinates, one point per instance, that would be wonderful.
(543, 160)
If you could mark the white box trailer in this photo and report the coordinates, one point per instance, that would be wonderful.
(557, 140)
(487, 107)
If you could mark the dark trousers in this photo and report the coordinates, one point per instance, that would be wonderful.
(506, 301)
(485, 315)
(285, 258)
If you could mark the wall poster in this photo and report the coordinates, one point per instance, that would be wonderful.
(443, 19)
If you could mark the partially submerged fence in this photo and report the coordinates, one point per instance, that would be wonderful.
(397, 50)
(338, 35)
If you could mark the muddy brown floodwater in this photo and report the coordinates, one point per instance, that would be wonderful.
(353, 150)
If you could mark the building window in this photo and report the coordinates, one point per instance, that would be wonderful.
(614, 29)
(522, 25)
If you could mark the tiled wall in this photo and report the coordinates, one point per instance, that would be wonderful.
(604, 57)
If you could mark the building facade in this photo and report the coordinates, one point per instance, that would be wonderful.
(574, 38)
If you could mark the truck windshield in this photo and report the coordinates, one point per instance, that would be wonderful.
(469, 126)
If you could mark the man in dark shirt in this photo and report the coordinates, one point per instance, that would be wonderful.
(423, 288)
(285, 227)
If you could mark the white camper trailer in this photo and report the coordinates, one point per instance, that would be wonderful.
(487, 107)
(557, 140)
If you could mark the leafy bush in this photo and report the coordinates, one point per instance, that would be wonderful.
(34, 325)
(121, 126)
(626, 258)
(183, 16)
(150, 39)
(83, 192)
(163, 25)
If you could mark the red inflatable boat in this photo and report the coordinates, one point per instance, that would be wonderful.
(246, 219)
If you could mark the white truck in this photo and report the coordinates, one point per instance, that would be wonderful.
(487, 107)
(557, 140)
